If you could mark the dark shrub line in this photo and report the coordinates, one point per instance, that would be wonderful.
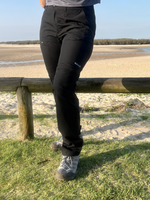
(121, 41)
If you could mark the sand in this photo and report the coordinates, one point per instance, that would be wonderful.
(101, 123)
(129, 64)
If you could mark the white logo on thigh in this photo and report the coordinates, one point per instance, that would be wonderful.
(77, 64)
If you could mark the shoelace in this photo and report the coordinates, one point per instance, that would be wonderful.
(66, 161)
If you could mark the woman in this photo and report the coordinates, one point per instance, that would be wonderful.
(66, 38)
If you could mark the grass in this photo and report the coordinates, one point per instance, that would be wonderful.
(4, 116)
(130, 94)
(13, 93)
(108, 170)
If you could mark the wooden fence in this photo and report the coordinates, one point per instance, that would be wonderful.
(25, 86)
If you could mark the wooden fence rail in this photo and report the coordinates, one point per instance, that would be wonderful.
(25, 86)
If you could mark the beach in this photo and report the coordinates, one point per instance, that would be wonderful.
(103, 116)
(122, 61)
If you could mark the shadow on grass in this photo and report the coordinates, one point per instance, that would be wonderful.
(35, 116)
(102, 116)
(8, 117)
(95, 161)
(96, 116)
(44, 116)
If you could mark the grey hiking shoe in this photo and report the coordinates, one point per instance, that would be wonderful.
(68, 168)
(57, 145)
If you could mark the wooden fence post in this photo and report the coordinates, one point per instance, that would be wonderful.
(25, 113)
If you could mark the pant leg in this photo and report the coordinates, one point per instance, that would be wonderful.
(49, 43)
(73, 56)
(74, 28)
(51, 51)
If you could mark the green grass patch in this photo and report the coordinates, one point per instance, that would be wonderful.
(108, 170)
(13, 93)
(8, 116)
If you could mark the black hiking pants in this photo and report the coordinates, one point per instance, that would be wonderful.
(66, 39)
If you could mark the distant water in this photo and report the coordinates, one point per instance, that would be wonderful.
(144, 51)
(6, 63)
(2, 63)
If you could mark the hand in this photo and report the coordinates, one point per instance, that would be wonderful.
(43, 3)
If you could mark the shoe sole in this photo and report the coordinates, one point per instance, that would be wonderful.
(65, 177)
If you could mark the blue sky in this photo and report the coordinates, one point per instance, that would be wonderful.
(20, 20)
